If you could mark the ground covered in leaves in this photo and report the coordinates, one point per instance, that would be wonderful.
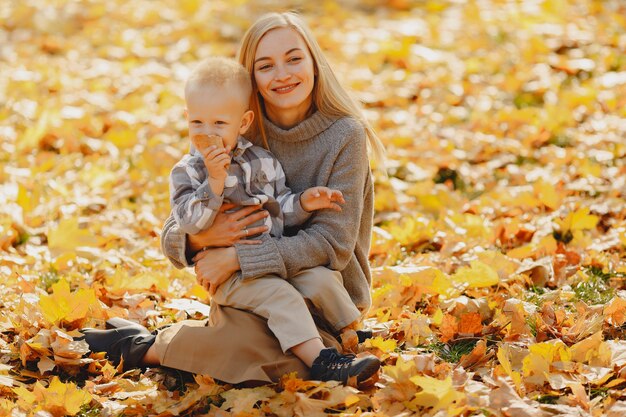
(499, 251)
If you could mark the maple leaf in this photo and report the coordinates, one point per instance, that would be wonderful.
(436, 393)
(59, 399)
(477, 275)
(470, 324)
(537, 365)
(64, 306)
(615, 311)
(239, 400)
(68, 236)
(385, 346)
(577, 220)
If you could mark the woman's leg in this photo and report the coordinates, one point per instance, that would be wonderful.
(233, 346)
(151, 358)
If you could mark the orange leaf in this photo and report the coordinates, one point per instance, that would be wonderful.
(615, 312)
(449, 327)
(470, 324)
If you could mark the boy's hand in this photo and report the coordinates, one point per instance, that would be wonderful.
(216, 160)
(317, 198)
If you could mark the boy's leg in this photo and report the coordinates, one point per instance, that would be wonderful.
(274, 299)
(324, 288)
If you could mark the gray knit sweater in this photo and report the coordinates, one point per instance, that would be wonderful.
(319, 151)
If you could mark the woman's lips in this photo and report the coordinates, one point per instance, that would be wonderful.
(285, 89)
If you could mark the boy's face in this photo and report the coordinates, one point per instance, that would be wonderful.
(217, 110)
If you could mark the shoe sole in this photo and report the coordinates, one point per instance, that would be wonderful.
(370, 369)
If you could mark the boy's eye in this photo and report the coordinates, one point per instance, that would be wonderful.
(196, 122)
(220, 122)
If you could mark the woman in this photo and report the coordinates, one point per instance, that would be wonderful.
(320, 137)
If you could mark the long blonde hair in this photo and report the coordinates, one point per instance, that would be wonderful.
(329, 97)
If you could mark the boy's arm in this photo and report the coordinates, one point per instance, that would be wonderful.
(193, 209)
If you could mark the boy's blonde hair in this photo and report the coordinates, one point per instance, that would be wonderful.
(329, 96)
(220, 72)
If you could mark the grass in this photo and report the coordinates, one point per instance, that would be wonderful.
(453, 351)
(596, 289)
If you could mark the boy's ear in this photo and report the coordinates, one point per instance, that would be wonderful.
(246, 121)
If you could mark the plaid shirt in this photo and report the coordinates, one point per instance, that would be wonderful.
(254, 177)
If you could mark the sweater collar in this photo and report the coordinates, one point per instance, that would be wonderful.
(305, 130)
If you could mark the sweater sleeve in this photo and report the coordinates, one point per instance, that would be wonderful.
(330, 237)
(174, 243)
(293, 212)
(194, 208)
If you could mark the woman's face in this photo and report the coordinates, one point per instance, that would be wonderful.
(284, 74)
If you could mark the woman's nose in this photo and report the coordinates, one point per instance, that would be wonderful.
(282, 73)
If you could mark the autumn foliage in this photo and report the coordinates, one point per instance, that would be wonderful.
(499, 252)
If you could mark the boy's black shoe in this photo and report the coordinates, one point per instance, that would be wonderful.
(330, 365)
(363, 335)
(130, 343)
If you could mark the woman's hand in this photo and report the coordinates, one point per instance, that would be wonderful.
(214, 266)
(229, 228)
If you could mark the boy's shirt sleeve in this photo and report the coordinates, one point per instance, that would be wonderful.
(290, 205)
(194, 205)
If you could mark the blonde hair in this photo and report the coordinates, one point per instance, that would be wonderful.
(329, 97)
(220, 72)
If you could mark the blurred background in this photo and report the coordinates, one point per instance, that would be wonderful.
(492, 108)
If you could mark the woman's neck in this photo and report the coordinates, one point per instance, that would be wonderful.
(288, 118)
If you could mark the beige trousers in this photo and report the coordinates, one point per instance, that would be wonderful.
(282, 302)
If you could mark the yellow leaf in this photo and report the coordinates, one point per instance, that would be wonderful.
(435, 393)
(31, 137)
(577, 220)
(437, 317)
(63, 305)
(477, 275)
(121, 280)
(547, 193)
(536, 365)
(385, 345)
(351, 400)
(58, 399)
(587, 348)
(123, 138)
(401, 371)
(503, 356)
(28, 199)
(67, 236)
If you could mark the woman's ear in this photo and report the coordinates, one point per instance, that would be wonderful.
(246, 121)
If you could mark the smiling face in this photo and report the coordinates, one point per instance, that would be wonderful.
(218, 110)
(284, 75)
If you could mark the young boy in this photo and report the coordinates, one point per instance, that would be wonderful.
(226, 167)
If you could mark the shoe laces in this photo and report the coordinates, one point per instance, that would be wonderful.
(338, 361)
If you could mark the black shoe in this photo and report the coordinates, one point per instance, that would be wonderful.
(129, 343)
(363, 335)
(330, 365)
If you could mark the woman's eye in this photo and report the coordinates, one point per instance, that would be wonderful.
(264, 67)
(295, 59)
